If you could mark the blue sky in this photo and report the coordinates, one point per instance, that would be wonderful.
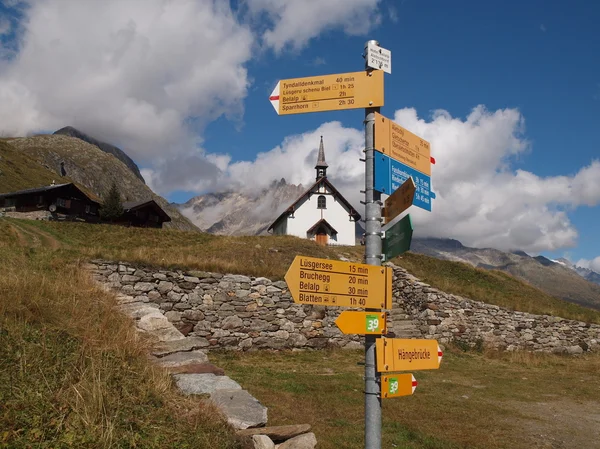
(533, 65)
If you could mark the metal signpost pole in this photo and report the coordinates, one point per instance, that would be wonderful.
(372, 257)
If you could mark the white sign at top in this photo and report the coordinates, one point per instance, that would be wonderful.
(379, 58)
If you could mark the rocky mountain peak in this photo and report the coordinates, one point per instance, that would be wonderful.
(106, 147)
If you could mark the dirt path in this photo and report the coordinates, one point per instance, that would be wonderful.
(33, 237)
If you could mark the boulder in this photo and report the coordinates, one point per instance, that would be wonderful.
(306, 441)
(262, 442)
(241, 408)
(182, 359)
(277, 433)
(158, 325)
(143, 286)
(205, 383)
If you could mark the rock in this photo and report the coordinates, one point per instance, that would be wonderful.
(262, 442)
(232, 322)
(277, 433)
(173, 316)
(273, 289)
(154, 296)
(186, 344)
(158, 325)
(136, 310)
(205, 383)
(236, 278)
(182, 359)
(130, 278)
(184, 327)
(192, 279)
(143, 286)
(574, 350)
(241, 408)
(160, 276)
(305, 441)
(193, 315)
(280, 284)
(197, 368)
(165, 286)
(261, 281)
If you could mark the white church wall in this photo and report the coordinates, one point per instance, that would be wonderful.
(307, 214)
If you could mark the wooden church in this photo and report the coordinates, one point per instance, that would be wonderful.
(321, 213)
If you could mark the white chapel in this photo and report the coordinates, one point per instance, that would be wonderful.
(321, 213)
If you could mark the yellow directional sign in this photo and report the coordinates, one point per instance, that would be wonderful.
(395, 385)
(400, 200)
(325, 282)
(328, 92)
(361, 323)
(396, 354)
(400, 144)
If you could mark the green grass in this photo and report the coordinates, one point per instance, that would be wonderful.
(474, 400)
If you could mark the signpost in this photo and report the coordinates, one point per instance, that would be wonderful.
(391, 174)
(400, 144)
(379, 58)
(400, 200)
(397, 354)
(401, 168)
(396, 385)
(325, 282)
(362, 323)
(397, 238)
(328, 93)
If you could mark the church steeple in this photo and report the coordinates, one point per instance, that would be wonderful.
(321, 166)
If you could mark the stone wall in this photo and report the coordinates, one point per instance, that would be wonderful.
(247, 313)
(446, 318)
(229, 311)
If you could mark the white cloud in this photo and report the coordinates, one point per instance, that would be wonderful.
(481, 199)
(295, 22)
(593, 264)
(145, 77)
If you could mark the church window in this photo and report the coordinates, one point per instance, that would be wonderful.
(321, 202)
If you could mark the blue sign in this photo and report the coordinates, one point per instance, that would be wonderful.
(391, 174)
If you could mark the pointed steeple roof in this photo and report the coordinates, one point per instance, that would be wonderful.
(321, 158)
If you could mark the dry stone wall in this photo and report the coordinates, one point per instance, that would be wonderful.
(249, 313)
(229, 311)
(446, 318)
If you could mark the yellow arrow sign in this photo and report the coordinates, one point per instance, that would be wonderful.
(362, 323)
(396, 354)
(325, 282)
(328, 92)
(400, 144)
(400, 200)
(396, 385)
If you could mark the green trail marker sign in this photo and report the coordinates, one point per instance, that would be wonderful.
(397, 238)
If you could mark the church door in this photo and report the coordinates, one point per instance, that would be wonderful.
(322, 238)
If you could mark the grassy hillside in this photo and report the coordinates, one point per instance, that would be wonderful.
(272, 255)
(89, 167)
(73, 372)
(18, 171)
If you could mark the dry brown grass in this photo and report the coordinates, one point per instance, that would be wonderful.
(73, 370)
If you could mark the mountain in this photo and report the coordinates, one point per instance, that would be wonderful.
(72, 159)
(241, 213)
(553, 277)
(106, 147)
(586, 273)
